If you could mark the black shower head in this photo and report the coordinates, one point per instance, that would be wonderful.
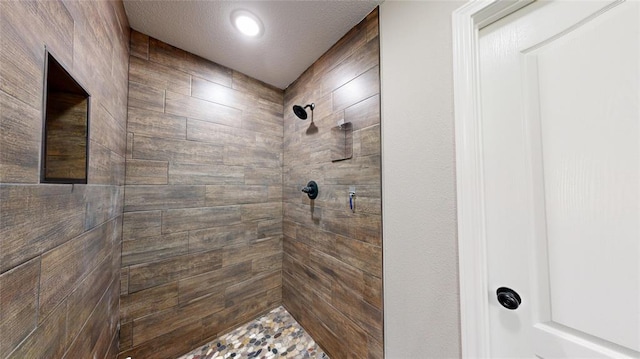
(301, 112)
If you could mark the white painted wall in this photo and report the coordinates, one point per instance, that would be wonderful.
(421, 300)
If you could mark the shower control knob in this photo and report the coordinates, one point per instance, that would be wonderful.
(311, 189)
(508, 298)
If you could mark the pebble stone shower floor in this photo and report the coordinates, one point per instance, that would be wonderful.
(274, 335)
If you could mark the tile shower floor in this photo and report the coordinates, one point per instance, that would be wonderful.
(274, 335)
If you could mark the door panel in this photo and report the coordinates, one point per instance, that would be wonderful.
(561, 138)
(590, 155)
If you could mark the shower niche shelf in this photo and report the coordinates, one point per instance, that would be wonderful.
(342, 142)
(65, 150)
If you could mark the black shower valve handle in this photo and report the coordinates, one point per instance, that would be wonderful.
(311, 189)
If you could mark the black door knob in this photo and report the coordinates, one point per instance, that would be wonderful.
(508, 298)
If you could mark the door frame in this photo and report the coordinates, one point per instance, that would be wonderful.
(474, 294)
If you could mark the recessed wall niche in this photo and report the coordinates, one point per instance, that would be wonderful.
(65, 152)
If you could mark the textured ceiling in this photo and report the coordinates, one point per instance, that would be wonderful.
(296, 32)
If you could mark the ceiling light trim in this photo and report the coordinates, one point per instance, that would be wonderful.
(247, 23)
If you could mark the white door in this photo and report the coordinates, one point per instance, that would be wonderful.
(561, 157)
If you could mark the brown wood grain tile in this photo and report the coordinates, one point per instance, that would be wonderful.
(139, 45)
(204, 174)
(334, 346)
(168, 55)
(253, 307)
(19, 303)
(257, 88)
(352, 40)
(358, 89)
(376, 349)
(138, 225)
(145, 302)
(258, 211)
(179, 220)
(35, 219)
(149, 249)
(146, 172)
(289, 228)
(199, 67)
(45, 223)
(107, 131)
(125, 337)
(350, 334)
(124, 281)
(51, 24)
(372, 290)
(22, 58)
(264, 117)
(20, 136)
(145, 198)
(161, 149)
(372, 24)
(145, 97)
(223, 95)
(237, 293)
(157, 273)
(367, 228)
(158, 77)
(101, 204)
(225, 235)
(48, 340)
(337, 272)
(160, 323)
(320, 240)
(270, 228)
(332, 257)
(169, 345)
(112, 351)
(295, 249)
(366, 142)
(360, 255)
(300, 274)
(96, 334)
(235, 155)
(129, 145)
(215, 281)
(221, 195)
(241, 253)
(362, 59)
(182, 105)
(362, 313)
(204, 131)
(64, 267)
(364, 114)
(267, 264)
(363, 170)
(105, 166)
(86, 297)
(155, 124)
(163, 53)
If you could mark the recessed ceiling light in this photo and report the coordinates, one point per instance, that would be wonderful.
(247, 23)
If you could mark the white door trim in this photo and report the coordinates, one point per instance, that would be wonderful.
(474, 296)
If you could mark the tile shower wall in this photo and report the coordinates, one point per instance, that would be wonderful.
(60, 244)
(202, 233)
(332, 266)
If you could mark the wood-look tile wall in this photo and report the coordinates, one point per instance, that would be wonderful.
(202, 246)
(332, 270)
(60, 244)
